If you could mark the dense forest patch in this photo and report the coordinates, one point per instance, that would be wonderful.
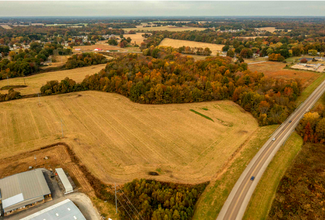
(173, 78)
(301, 192)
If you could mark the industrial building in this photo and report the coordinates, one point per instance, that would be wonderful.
(65, 210)
(64, 180)
(22, 190)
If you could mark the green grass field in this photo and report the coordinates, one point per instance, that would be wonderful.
(307, 91)
(216, 193)
(261, 201)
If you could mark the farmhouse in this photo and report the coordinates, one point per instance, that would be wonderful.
(308, 66)
(98, 49)
(62, 210)
(22, 190)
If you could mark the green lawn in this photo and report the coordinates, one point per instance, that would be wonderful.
(216, 193)
(307, 91)
(261, 201)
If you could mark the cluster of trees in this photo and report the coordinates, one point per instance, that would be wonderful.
(27, 62)
(22, 64)
(162, 201)
(288, 44)
(174, 78)
(196, 50)
(301, 191)
(312, 126)
(276, 57)
(85, 59)
(11, 95)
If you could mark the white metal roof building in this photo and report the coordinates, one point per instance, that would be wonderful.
(65, 210)
(65, 181)
(23, 189)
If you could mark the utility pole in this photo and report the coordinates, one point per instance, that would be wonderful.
(39, 100)
(115, 199)
(8, 81)
(35, 161)
(62, 128)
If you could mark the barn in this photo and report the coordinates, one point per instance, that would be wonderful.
(22, 190)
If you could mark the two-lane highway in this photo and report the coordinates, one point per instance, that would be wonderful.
(237, 201)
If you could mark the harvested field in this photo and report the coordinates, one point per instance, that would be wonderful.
(252, 37)
(163, 28)
(119, 140)
(269, 29)
(6, 27)
(137, 38)
(35, 82)
(179, 43)
(275, 69)
(60, 61)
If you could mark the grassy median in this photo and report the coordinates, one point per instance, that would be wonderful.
(261, 201)
(216, 193)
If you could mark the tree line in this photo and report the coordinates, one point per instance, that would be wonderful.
(162, 201)
(312, 126)
(85, 59)
(174, 78)
(11, 95)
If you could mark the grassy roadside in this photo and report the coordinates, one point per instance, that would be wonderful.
(307, 91)
(216, 193)
(261, 201)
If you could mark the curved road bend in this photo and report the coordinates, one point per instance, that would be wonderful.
(237, 201)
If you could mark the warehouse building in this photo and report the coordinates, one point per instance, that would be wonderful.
(65, 210)
(22, 190)
(64, 180)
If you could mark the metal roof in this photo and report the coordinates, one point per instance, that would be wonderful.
(20, 189)
(64, 179)
(65, 210)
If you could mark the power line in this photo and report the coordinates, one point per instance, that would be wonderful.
(124, 208)
(132, 204)
(129, 207)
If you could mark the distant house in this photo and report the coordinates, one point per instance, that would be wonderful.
(98, 49)
(77, 49)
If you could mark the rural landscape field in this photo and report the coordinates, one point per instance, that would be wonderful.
(215, 48)
(162, 110)
(35, 82)
(277, 70)
(141, 28)
(119, 140)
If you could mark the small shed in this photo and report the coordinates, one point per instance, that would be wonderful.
(64, 180)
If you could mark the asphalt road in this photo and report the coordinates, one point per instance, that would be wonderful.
(237, 201)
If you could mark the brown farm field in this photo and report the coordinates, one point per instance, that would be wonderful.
(275, 69)
(137, 38)
(179, 43)
(269, 29)
(60, 61)
(6, 27)
(163, 28)
(119, 140)
(35, 82)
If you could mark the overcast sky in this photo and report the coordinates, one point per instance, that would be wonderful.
(161, 8)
